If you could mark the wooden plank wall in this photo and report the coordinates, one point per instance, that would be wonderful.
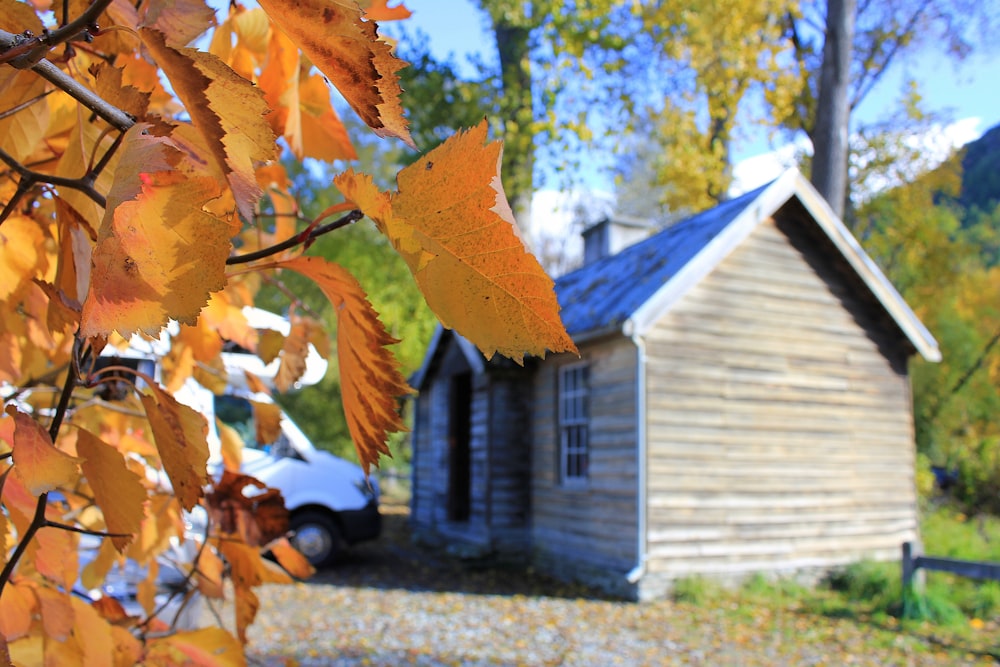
(500, 456)
(588, 532)
(780, 435)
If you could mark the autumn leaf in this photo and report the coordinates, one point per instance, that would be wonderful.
(348, 52)
(117, 490)
(379, 10)
(56, 558)
(93, 633)
(267, 422)
(17, 605)
(257, 519)
(226, 109)
(56, 612)
(294, 351)
(21, 241)
(180, 21)
(291, 559)
(40, 466)
(208, 647)
(181, 438)
(451, 222)
(230, 445)
(159, 255)
(369, 374)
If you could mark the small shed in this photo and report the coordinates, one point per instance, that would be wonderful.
(741, 404)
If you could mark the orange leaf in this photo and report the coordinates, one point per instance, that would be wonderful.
(370, 380)
(56, 611)
(37, 462)
(293, 353)
(93, 634)
(180, 21)
(209, 574)
(379, 10)
(457, 234)
(230, 444)
(180, 434)
(267, 422)
(208, 647)
(247, 571)
(57, 558)
(347, 50)
(17, 606)
(20, 254)
(159, 254)
(289, 558)
(128, 648)
(226, 109)
(117, 490)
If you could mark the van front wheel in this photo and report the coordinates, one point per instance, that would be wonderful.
(316, 535)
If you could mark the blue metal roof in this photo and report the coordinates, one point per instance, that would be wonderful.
(602, 295)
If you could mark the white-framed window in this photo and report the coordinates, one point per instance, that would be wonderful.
(574, 423)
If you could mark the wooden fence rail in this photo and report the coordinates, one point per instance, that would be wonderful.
(914, 561)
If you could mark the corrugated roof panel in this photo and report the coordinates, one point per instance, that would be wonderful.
(602, 295)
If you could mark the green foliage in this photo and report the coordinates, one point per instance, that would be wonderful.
(696, 590)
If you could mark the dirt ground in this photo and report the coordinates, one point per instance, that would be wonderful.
(392, 603)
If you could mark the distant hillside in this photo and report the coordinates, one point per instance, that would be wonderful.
(981, 172)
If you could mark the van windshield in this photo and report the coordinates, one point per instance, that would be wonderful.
(237, 413)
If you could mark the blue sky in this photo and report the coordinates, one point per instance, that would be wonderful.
(965, 91)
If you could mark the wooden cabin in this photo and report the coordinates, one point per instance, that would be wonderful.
(741, 404)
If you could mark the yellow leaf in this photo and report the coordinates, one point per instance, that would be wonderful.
(267, 422)
(180, 434)
(226, 109)
(21, 240)
(231, 445)
(22, 132)
(57, 558)
(96, 570)
(293, 353)
(208, 647)
(370, 380)
(17, 606)
(289, 558)
(56, 611)
(348, 52)
(180, 21)
(93, 634)
(159, 255)
(209, 574)
(40, 466)
(451, 222)
(117, 490)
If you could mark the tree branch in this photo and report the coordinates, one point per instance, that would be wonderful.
(29, 49)
(306, 237)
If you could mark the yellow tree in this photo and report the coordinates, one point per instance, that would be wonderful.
(708, 58)
(133, 208)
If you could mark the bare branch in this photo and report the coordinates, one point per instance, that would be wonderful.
(305, 238)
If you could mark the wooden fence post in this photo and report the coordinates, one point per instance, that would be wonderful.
(913, 576)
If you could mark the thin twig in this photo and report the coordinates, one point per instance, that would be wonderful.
(293, 241)
(83, 531)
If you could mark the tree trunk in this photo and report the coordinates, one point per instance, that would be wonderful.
(517, 169)
(833, 112)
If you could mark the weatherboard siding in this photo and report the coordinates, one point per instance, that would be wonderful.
(588, 531)
(779, 432)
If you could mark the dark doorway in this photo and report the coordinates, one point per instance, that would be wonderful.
(459, 456)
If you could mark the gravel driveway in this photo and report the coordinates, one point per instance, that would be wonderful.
(391, 603)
